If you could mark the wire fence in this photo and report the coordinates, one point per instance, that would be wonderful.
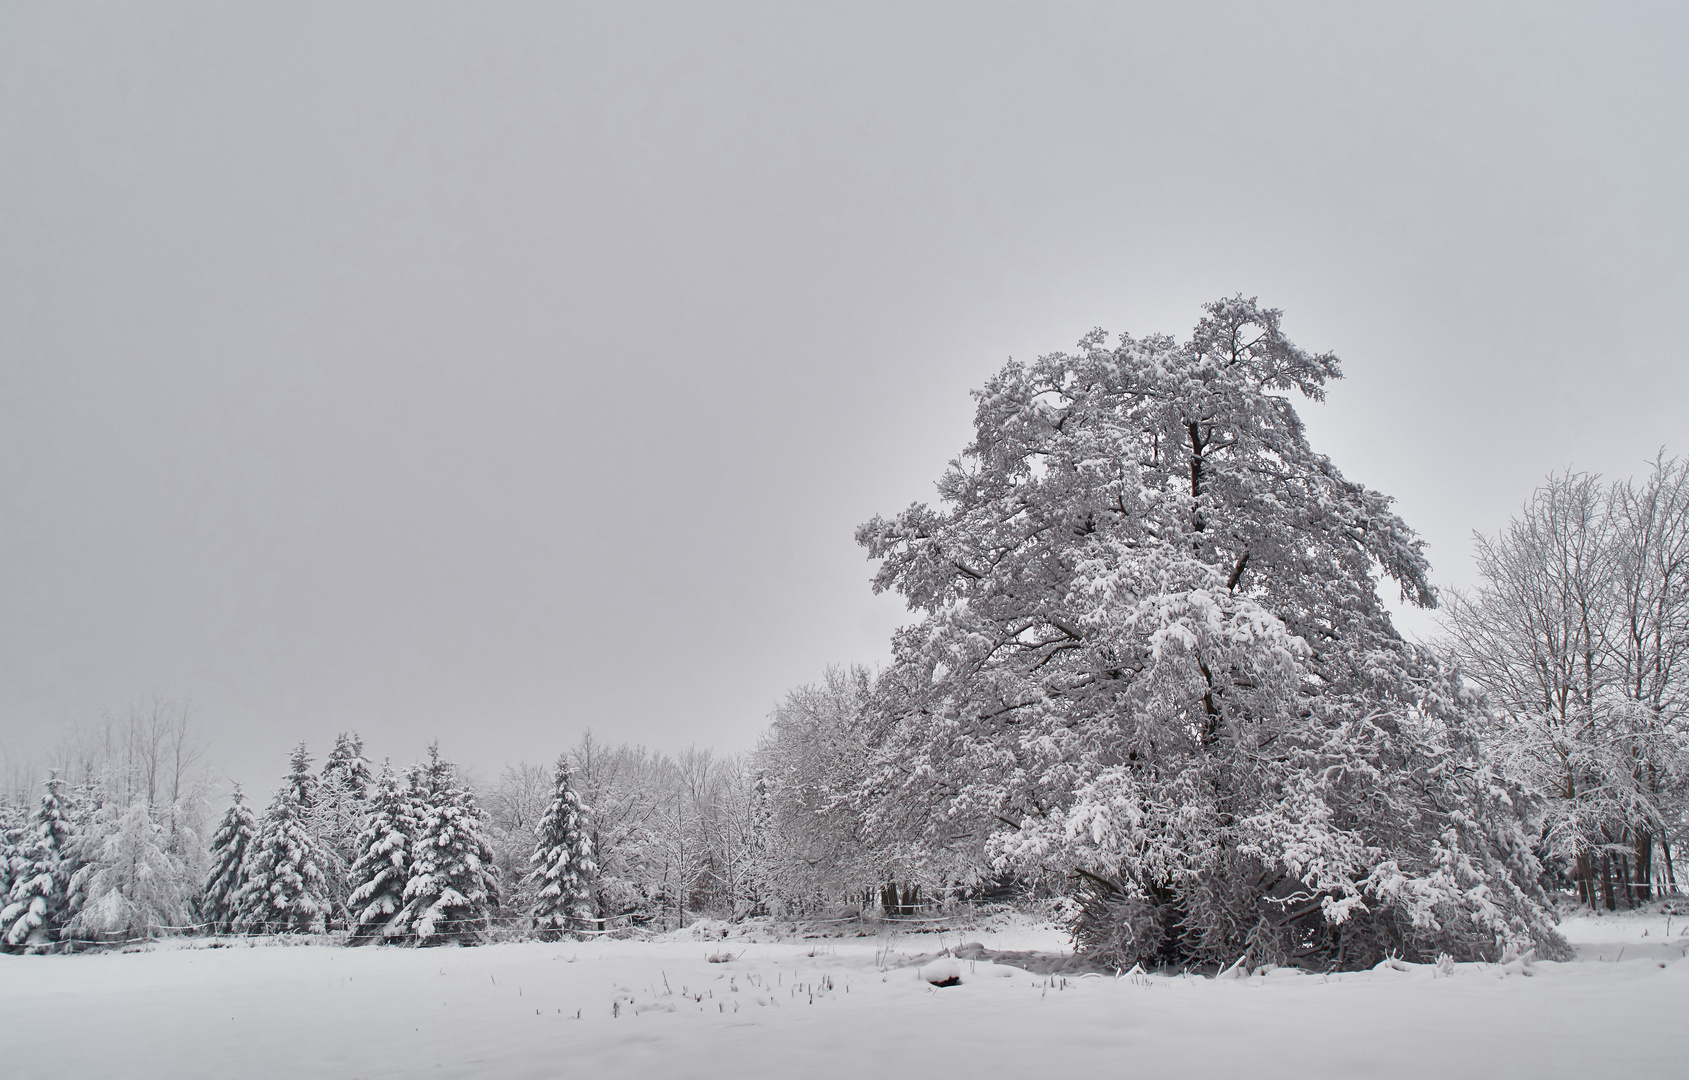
(627, 924)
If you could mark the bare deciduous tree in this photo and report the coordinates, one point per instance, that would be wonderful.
(1579, 634)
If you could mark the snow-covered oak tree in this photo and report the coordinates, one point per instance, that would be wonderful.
(1151, 653)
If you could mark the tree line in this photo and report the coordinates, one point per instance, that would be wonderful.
(1149, 676)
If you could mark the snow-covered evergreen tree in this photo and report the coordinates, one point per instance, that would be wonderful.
(231, 848)
(300, 781)
(37, 906)
(346, 762)
(381, 867)
(452, 887)
(286, 890)
(1152, 653)
(14, 826)
(562, 862)
(129, 884)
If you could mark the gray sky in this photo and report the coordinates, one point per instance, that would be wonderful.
(494, 371)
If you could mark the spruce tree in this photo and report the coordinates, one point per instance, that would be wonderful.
(347, 764)
(14, 825)
(286, 890)
(37, 906)
(452, 886)
(231, 848)
(381, 868)
(562, 859)
(300, 780)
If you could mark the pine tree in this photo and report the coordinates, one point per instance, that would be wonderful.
(452, 887)
(346, 762)
(381, 868)
(14, 825)
(300, 780)
(286, 890)
(37, 906)
(231, 848)
(562, 860)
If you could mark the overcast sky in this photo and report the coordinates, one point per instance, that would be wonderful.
(490, 371)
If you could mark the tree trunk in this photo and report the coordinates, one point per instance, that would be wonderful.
(1644, 866)
(1607, 880)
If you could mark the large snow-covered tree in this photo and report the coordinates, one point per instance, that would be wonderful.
(37, 907)
(129, 885)
(1151, 652)
(452, 887)
(231, 847)
(381, 868)
(562, 861)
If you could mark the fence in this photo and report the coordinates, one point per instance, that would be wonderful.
(624, 924)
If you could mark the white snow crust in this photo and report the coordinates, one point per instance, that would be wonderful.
(829, 1007)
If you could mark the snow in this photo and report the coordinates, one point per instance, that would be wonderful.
(829, 1006)
(944, 971)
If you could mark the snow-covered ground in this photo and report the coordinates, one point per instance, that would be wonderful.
(823, 1007)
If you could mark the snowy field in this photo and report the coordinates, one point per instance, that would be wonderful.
(832, 1006)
